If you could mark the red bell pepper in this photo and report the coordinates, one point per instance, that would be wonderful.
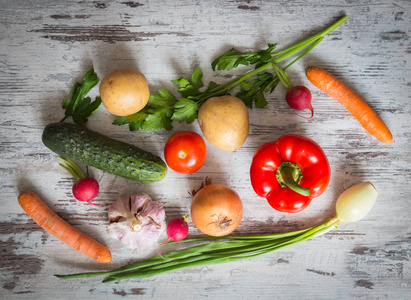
(290, 172)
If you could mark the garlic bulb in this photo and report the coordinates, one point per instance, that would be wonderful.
(136, 220)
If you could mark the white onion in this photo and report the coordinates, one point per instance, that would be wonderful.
(356, 202)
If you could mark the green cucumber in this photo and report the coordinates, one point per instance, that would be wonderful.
(97, 150)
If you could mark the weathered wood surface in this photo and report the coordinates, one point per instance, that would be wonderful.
(45, 46)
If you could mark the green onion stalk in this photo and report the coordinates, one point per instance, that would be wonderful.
(352, 205)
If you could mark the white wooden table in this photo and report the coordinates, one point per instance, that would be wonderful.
(45, 46)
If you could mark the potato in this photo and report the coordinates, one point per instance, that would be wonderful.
(124, 92)
(224, 122)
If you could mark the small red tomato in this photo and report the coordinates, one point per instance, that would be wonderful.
(185, 152)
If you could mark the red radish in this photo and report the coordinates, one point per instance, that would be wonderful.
(177, 229)
(299, 98)
(86, 188)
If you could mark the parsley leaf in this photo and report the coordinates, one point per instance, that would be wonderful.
(84, 109)
(212, 85)
(185, 110)
(252, 91)
(163, 99)
(158, 119)
(263, 56)
(192, 86)
(79, 107)
(234, 58)
(230, 60)
(135, 121)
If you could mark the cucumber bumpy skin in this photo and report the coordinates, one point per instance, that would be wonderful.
(97, 150)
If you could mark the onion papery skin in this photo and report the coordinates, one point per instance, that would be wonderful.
(355, 203)
(216, 210)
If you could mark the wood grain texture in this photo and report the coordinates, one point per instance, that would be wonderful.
(45, 46)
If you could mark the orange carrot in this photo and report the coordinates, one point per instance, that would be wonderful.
(351, 101)
(56, 226)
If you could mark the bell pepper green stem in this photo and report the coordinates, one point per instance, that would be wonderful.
(289, 175)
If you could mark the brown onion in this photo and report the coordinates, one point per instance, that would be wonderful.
(216, 210)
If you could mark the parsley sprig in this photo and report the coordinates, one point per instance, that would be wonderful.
(80, 107)
(164, 108)
(234, 58)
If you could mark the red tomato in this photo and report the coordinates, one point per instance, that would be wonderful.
(185, 152)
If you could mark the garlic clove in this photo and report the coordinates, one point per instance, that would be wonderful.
(120, 209)
(138, 202)
(153, 214)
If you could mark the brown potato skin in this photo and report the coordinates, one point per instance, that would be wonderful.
(224, 122)
(124, 92)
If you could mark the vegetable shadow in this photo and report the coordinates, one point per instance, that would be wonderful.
(119, 56)
(69, 264)
(24, 183)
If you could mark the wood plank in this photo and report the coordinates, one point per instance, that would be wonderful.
(46, 47)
